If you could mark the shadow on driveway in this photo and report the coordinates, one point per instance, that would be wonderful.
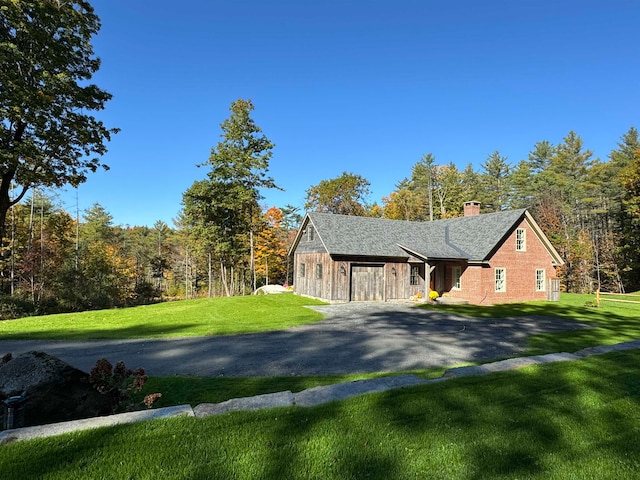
(353, 338)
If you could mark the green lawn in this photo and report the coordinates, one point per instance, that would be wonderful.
(576, 419)
(610, 323)
(179, 390)
(216, 316)
(570, 420)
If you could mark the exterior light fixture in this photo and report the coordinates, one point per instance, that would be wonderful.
(393, 271)
(343, 270)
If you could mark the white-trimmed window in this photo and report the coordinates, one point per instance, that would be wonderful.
(456, 273)
(302, 270)
(521, 240)
(318, 270)
(540, 280)
(501, 279)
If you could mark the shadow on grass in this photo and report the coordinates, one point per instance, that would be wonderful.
(566, 420)
(117, 333)
(506, 310)
(611, 323)
(560, 418)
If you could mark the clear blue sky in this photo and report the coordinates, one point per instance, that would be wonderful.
(361, 86)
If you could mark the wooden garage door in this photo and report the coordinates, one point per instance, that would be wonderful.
(367, 283)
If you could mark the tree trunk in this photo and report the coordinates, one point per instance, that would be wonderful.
(210, 279)
(186, 275)
(223, 276)
(253, 261)
(5, 205)
(430, 198)
(30, 252)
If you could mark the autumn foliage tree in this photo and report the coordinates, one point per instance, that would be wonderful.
(271, 251)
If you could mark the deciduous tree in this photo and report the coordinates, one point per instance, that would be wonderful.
(346, 195)
(47, 136)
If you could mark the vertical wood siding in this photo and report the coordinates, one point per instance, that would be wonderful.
(367, 283)
(309, 284)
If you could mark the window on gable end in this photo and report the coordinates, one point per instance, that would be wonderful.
(310, 233)
(521, 240)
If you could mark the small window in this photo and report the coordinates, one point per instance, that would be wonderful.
(310, 233)
(521, 240)
(540, 280)
(302, 270)
(414, 277)
(457, 275)
(501, 280)
(318, 270)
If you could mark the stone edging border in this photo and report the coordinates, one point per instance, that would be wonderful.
(306, 398)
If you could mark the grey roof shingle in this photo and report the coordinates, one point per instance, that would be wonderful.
(470, 238)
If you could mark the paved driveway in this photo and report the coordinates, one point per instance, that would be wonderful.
(354, 337)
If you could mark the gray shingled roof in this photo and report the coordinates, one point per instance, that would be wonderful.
(471, 238)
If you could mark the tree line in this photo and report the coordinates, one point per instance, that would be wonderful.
(225, 241)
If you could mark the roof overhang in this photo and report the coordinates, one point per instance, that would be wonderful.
(556, 259)
(426, 258)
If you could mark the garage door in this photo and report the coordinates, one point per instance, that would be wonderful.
(367, 283)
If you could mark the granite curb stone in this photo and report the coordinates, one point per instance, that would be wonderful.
(41, 431)
(586, 352)
(269, 400)
(509, 364)
(342, 391)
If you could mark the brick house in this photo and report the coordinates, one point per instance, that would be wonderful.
(480, 258)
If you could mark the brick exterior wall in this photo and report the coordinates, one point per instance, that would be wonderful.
(478, 282)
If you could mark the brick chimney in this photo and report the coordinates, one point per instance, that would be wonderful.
(471, 209)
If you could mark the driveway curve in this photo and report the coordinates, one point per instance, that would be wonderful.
(353, 338)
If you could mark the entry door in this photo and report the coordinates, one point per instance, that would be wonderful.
(367, 283)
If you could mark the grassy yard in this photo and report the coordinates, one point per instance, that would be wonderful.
(611, 322)
(569, 420)
(180, 390)
(576, 419)
(216, 316)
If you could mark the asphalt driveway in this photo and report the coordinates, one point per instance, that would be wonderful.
(353, 338)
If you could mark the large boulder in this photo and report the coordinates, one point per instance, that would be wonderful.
(54, 390)
(271, 289)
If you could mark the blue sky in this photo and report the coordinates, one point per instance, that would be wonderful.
(361, 86)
